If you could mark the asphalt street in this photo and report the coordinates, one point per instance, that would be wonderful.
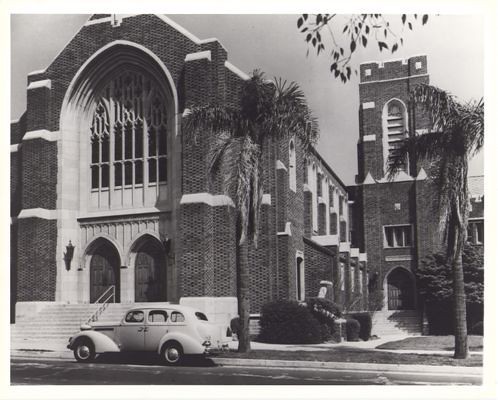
(119, 371)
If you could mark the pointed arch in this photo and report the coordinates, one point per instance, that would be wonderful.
(399, 289)
(149, 262)
(103, 262)
(394, 128)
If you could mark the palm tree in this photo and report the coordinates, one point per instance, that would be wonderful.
(268, 111)
(457, 133)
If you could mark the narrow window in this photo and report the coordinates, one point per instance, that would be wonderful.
(292, 166)
(395, 128)
(300, 279)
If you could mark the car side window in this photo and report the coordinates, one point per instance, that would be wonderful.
(134, 317)
(157, 316)
(177, 316)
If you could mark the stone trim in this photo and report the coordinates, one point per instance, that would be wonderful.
(207, 198)
(326, 240)
(394, 79)
(344, 247)
(41, 134)
(266, 199)
(200, 55)
(280, 165)
(119, 213)
(287, 230)
(318, 247)
(185, 32)
(355, 252)
(237, 71)
(46, 83)
(14, 148)
(41, 213)
(37, 72)
(369, 138)
(368, 105)
(363, 257)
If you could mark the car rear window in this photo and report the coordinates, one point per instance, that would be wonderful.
(177, 317)
(201, 316)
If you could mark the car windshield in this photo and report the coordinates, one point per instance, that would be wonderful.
(201, 316)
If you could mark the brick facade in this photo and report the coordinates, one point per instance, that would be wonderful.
(195, 220)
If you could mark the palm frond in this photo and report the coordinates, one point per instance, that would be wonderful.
(440, 104)
(212, 119)
(472, 124)
(429, 146)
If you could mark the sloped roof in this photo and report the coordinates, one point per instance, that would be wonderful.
(476, 185)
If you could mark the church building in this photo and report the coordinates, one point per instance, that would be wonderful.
(111, 201)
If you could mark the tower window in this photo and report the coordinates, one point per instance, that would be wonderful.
(395, 129)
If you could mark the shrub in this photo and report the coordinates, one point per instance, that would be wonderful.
(365, 320)
(352, 330)
(320, 306)
(478, 329)
(287, 322)
(325, 311)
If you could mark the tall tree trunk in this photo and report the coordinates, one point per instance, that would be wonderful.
(461, 346)
(243, 297)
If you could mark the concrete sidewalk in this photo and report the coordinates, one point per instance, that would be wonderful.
(58, 350)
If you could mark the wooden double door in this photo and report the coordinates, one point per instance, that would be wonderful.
(150, 272)
(104, 272)
(400, 291)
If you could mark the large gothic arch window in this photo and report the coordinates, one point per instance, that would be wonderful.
(128, 140)
(395, 129)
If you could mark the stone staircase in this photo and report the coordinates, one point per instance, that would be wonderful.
(396, 322)
(55, 323)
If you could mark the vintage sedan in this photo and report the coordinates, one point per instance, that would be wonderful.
(171, 331)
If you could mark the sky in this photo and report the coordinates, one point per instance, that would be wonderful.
(272, 43)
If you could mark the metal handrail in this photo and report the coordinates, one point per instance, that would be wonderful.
(103, 300)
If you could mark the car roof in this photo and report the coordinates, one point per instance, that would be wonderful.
(173, 307)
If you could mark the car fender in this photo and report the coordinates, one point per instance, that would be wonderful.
(102, 343)
(189, 345)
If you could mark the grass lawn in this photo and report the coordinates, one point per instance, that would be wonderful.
(356, 355)
(431, 343)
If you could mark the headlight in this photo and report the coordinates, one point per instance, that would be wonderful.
(206, 343)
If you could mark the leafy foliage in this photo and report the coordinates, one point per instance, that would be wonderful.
(288, 322)
(365, 321)
(435, 276)
(352, 330)
(358, 30)
(457, 132)
(268, 110)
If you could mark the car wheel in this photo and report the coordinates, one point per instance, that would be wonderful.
(84, 351)
(172, 353)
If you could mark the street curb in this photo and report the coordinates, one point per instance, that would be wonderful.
(248, 362)
(429, 369)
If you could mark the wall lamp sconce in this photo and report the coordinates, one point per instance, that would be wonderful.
(68, 255)
(166, 243)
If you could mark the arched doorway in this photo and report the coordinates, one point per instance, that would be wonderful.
(400, 290)
(104, 271)
(150, 272)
